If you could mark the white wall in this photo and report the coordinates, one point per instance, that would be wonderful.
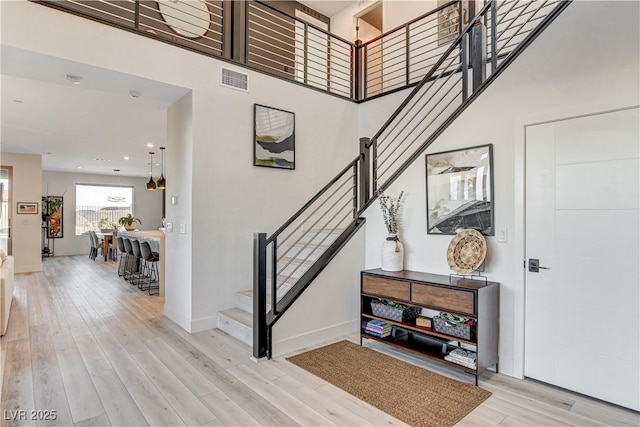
(178, 292)
(231, 199)
(25, 228)
(147, 205)
(329, 307)
(561, 75)
(394, 14)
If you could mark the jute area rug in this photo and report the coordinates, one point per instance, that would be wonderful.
(412, 394)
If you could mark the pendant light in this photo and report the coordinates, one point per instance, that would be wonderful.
(162, 183)
(358, 42)
(151, 185)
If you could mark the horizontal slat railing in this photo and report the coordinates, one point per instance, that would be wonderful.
(294, 49)
(402, 56)
(453, 80)
(194, 24)
(292, 253)
(432, 52)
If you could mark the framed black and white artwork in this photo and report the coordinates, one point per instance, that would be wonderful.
(273, 138)
(460, 190)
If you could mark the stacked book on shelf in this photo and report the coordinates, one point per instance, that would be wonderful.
(462, 357)
(378, 328)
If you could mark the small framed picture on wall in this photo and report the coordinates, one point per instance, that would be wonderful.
(27, 207)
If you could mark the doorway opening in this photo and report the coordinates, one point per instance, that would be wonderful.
(368, 25)
(6, 179)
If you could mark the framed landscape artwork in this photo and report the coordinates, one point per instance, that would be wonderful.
(273, 137)
(460, 190)
(27, 207)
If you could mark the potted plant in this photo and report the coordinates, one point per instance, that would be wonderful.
(128, 222)
(392, 248)
(106, 223)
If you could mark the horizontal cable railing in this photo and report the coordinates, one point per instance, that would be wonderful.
(291, 48)
(450, 82)
(514, 20)
(455, 78)
(294, 49)
(289, 258)
(193, 24)
(403, 56)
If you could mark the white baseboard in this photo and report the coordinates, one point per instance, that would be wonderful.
(28, 268)
(182, 321)
(204, 324)
(308, 339)
(191, 326)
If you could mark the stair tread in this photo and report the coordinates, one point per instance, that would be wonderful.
(239, 316)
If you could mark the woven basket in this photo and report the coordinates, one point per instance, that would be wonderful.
(407, 314)
(460, 330)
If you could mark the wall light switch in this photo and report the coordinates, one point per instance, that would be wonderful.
(183, 228)
(169, 227)
(502, 235)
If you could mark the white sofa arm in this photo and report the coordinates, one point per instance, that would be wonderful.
(6, 292)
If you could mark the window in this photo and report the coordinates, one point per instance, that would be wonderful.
(100, 206)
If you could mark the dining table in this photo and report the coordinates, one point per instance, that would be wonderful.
(106, 239)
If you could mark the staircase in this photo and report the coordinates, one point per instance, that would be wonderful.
(286, 262)
(298, 257)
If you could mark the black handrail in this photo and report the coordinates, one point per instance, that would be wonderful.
(361, 166)
(431, 72)
(413, 21)
(313, 199)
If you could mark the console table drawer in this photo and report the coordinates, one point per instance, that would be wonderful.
(385, 287)
(452, 299)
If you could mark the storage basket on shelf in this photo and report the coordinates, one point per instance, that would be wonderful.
(394, 311)
(457, 326)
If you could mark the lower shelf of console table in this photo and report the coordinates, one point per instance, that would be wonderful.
(436, 293)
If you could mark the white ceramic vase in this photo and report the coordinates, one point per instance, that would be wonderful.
(392, 254)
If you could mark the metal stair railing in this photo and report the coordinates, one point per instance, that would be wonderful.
(499, 32)
(460, 74)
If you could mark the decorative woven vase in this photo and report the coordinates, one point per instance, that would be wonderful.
(392, 254)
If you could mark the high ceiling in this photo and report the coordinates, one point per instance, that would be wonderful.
(92, 126)
(72, 125)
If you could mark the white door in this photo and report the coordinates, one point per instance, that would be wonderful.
(583, 224)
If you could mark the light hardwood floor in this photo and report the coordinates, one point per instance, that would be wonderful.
(86, 344)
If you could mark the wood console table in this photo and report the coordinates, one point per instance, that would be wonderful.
(473, 299)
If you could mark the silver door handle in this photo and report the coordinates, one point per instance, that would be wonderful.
(534, 265)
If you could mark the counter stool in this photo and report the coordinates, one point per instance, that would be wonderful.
(137, 271)
(130, 259)
(150, 266)
(122, 252)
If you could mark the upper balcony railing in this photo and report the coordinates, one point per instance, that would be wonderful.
(257, 35)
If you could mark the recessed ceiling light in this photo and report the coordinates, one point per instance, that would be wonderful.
(126, 157)
(48, 152)
(134, 94)
(73, 79)
(150, 145)
(79, 167)
(98, 159)
(17, 101)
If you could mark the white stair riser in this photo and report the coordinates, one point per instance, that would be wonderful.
(245, 302)
(236, 329)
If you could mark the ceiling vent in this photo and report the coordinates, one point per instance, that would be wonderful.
(234, 79)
